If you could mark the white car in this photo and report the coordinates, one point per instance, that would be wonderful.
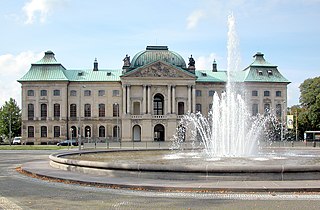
(17, 140)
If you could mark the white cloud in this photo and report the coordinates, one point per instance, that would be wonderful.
(12, 68)
(205, 62)
(194, 18)
(40, 9)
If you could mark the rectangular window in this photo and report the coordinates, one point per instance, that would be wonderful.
(73, 110)
(87, 110)
(278, 93)
(198, 107)
(73, 93)
(43, 112)
(56, 131)
(211, 92)
(30, 111)
(116, 110)
(30, 93)
(87, 93)
(56, 92)
(115, 93)
(102, 110)
(56, 110)
(43, 93)
(266, 93)
(255, 109)
(198, 92)
(254, 93)
(266, 109)
(101, 93)
(278, 110)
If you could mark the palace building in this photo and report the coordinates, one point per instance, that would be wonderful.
(143, 101)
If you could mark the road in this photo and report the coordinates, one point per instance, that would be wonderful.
(18, 191)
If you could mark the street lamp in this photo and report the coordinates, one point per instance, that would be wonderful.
(79, 128)
(117, 107)
(71, 130)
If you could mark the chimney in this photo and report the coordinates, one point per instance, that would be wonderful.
(95, 65)
(214, 66)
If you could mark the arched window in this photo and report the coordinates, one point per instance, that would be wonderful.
(30, 132)
(158, 104)
(73, 132)
(73, 110)
(102, 131)
(43, 111)
(87, 110)
(158, 133)
(30, 111)
(87, 131)
(56, 110)
(43, 131)
(136, 130)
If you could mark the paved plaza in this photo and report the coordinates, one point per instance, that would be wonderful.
(18, 191)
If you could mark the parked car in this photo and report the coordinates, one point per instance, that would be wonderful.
(17, 140)
(68, 142)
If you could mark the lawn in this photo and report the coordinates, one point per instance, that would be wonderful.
(33, 147)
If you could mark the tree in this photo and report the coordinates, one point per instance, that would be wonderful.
(310, 102)
(10, 119)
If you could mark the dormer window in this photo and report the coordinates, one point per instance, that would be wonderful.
(108, 73)
(80, 74)
(260, 73)
(270, 72)
(204, 74)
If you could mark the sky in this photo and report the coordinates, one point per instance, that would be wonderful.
(287, 32)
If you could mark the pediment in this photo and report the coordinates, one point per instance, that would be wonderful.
(159, 69)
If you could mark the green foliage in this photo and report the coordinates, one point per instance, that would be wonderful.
(310, 104)
(10, 116)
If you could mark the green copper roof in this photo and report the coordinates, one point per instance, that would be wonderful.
(262, 71)
(47, 69)
(48, 58)
(209, 76)
(155, 53)
(93, 76)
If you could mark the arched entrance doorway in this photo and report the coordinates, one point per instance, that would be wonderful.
(73, 132)
(136, 130)
(158, 134)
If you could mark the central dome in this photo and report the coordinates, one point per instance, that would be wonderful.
(155, 53)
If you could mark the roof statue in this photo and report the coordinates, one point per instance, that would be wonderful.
(126, 61)
(191, 62)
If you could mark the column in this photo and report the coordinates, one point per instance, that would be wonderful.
(149, 99)
(189, 98)
(144, 100)
(128, 100)
(193, 98)
(124, 96)
(169, 99)
(173, 99)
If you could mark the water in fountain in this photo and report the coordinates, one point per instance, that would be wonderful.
(229, 130)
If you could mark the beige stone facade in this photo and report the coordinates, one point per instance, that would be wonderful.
(150, 100)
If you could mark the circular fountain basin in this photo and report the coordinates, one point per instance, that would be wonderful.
(273, 164)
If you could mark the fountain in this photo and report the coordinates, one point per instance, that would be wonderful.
(229, 136)
(228, 130)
